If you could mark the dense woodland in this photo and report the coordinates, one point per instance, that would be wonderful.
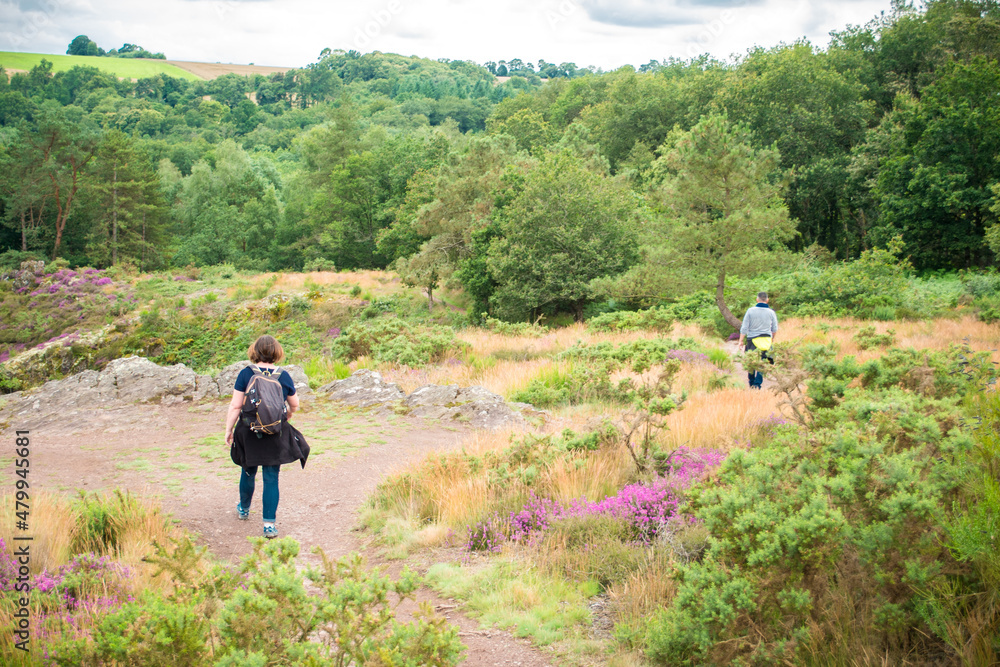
(533, 195)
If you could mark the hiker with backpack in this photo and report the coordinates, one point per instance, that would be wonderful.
(257, 428)
(757, 333)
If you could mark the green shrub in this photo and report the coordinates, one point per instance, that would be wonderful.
(639, 352)
(867, 338)
(594, 547)
(266, 611)
(655, 319)
(982, 284)
(513, 328)
(101, 519)
(813, 539)
(965, 610)
(720, 358)
(392, 340)
(319, 264)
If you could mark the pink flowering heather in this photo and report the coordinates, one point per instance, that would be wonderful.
(102, 281)
(8, 568)
(646, 508)
(688, 356)
(4, 356)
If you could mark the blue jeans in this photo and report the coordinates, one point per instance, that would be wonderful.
(756, 379)
(248, 477)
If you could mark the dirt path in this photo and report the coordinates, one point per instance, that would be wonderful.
(178, 454)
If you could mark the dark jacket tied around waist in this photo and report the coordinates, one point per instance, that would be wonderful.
(270, 450)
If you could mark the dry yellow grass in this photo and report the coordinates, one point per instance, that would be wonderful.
(55, 526)
(920, 335)
(380, 281)
(716, 419)
(52, 527)
(453, 491)
(645, 590)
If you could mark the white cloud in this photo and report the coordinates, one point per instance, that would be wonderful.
(605, 33)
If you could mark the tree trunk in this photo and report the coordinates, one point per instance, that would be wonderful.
(430, 298)
(24, 234)
(578, 311)
(720, 301)
(114, 217)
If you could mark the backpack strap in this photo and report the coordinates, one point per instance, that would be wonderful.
(269, 372)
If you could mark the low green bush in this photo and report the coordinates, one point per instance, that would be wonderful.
(815, 539)
(396, 341)
(867, 338)
(265, 611)
(532, 329)
(654, 319)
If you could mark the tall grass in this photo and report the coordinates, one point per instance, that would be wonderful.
(457, 490)
(110, 532)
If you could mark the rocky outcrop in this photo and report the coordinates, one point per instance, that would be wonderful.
(139, 380)
(475, 406)
(363, 389)
(129, 380)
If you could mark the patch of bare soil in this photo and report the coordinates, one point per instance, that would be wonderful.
(178, 453)
(214, 70)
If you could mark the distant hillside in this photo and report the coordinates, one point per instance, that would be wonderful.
(125, 68)
(213, 70)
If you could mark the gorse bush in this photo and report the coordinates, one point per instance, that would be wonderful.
(965, 610)
(262, 612)
(877, 283)
(644, 352)
(533, 329)
(654, 319)
(831, 540)
(817, 540)
(867, 338)
(396, 341)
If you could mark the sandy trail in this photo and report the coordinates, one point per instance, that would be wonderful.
(177, 453)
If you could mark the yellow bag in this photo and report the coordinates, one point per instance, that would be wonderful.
(761, 342)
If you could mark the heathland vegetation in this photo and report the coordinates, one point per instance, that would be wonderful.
(581, 244)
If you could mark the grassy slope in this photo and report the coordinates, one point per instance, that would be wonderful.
(126, 68)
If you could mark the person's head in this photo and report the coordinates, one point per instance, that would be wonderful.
(761, 297)
(266, 350)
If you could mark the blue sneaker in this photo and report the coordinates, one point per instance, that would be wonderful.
(241, 513)
(270, 531)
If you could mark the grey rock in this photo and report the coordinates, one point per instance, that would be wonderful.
(364, 388)
(128, 380)
(475, 405)
(139, 380)
(206, 388)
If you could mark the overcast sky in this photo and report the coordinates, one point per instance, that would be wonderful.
(604, 33)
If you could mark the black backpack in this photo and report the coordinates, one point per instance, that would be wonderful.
(264, 402)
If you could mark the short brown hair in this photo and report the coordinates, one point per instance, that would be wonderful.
(266, 349)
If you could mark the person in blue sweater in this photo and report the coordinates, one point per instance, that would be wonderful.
(757, 333)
